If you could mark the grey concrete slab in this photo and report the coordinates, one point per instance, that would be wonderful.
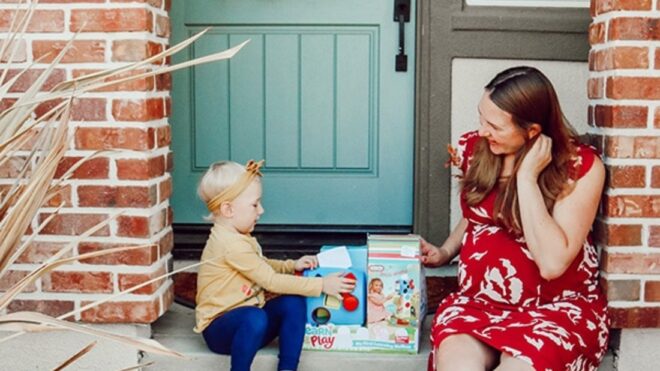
(174, 330)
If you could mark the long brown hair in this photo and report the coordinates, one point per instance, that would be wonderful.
(529, 97)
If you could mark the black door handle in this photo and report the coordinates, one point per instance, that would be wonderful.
(401, 15)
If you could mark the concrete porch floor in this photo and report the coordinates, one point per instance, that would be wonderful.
(174, 330)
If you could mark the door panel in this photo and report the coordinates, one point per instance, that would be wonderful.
(314, 93)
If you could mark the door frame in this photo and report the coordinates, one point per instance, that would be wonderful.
(446, 29)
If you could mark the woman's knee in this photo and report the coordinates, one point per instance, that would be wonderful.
(464, 350)
(510, 363)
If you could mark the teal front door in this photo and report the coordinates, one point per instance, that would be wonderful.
(314, 93)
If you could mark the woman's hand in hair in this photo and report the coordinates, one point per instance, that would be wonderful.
(536, 159)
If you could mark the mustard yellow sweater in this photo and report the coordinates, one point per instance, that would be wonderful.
(237, 273)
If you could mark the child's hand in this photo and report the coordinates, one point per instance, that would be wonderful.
(334, 284)
(306, 262)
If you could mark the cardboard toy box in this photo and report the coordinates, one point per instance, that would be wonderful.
(390, 294)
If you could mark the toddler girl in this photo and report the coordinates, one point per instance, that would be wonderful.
(376, 311)
(231, 311)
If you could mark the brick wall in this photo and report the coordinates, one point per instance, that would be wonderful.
(131, 121)
(624, 92)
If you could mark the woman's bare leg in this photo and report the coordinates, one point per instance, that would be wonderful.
(509, 363)
(462, 352)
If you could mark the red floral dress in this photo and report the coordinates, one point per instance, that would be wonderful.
(503, 301)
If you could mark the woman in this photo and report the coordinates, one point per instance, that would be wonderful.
(528, 294)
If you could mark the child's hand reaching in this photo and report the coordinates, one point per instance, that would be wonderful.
(306, 262)
(334, 284)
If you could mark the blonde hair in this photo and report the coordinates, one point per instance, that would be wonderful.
(371, 283)
(220, 176)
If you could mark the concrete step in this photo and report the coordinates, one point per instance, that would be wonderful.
(174, 330)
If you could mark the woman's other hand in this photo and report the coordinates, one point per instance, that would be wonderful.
(432, 255)
(306, 262)
(536, 159)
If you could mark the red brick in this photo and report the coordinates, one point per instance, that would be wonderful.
(29, 77)
(92, 138)
(134, 50)
(163, 136)
(168, 5)
(74, 224)
(141, 169)
(595, 87)
(629, 28)
(655, 177)
(167, 298)
(70, 1)
(635, 206)
(12, 167)
(83, 282)
(621, 116)
(605, 6)
(54, 308)
(61, 196)
(633, 87)
(133, 226)
(12, 277)
(654, 236)
(164, 82)
(657, 57)
(46, 107)
(39, 252)
(652, 291)
(621, 290)
(162, 26)
(157, 220)
(656, 118)
(623, 57)
(122, 312)
(138, 110)
(154, 3)
(596, 33)
(81, 51)
(640, 317)
(143, 256)
(88, 109)
(165, 190)
(618, 234)
(632, 147)
(169, 162)
(626, 176)
(111, 20)
(124, 196)
(41, 21)
(166, 243)
(6, 103)
(143, 84)
(631, 263)
(20, 55)
(93, 168)
(127, 281)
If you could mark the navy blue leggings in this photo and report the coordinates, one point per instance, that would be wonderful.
(244, 330)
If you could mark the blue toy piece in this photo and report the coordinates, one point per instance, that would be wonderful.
(351, 310)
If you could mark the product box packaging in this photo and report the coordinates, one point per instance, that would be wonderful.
(386, 310)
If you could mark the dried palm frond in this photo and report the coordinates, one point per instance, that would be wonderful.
(76, 356)
(40, 141)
